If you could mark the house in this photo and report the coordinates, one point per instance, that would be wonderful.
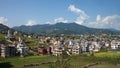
(96, 46)
(113, 44)
(7, 51)
(40, 49)
(76, 49)
(48, 50)
(3, 50)
(44, 50)
(91, 48)
(22, 49)
(118, 44)
(10, 36)
(83, 46)
(57, 51)
(107, 44)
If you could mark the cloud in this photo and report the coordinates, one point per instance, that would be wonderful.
(111, 19)
(106, 22)
(30, 23)
(112, 22)
(98, 18)
(74, 9)
(3, 20)
(97, 23)
(48, 22)
(60, 20)
(82, 15)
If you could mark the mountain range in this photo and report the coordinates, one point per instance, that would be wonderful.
(63, 28)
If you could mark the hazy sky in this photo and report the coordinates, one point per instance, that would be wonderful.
(91, 13)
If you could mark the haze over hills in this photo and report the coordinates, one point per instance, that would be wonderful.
(63, 28)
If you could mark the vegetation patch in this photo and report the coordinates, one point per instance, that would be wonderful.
(110, 57)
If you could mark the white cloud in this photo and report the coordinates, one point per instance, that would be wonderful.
(97, 23)
(48, 22)
(30, 23)
(61, 20)
(111, 19)
(98, 18)
(82, 15)
(74, 9)
(106, 22)
(3, 20)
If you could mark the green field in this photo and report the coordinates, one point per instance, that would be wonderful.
(75, 61)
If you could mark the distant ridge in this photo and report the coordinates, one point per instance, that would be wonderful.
(63, 28)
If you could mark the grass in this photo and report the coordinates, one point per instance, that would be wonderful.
(111, 57)
(2, 36)
(103, 65)
(19, 62)
(75, 61)
(32, 42)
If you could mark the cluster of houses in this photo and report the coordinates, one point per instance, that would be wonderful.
(58, 45)
(13, 47)
(82, 45)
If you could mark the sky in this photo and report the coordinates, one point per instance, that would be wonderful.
(90, 13)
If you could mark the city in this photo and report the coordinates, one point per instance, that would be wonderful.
(59, 34)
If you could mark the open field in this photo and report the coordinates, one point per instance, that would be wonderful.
(44, 62)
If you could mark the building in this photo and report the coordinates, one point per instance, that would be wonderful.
(7, 51)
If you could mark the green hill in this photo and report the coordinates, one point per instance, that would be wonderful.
(3, 28)
(63, 28)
